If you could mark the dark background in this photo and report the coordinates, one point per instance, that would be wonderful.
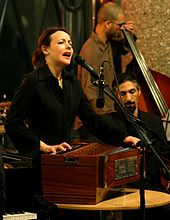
(21, 23)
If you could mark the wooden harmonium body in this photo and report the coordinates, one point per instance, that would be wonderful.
(86, 174)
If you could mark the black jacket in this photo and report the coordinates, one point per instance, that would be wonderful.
(41, 110)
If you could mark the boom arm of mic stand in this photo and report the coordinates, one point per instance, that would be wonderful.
(149, 144)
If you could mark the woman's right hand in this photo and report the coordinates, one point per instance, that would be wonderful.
(54, 148)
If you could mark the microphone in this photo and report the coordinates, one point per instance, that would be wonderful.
(100, 100)
(82, 62)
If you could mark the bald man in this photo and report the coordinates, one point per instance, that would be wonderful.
(98, 51)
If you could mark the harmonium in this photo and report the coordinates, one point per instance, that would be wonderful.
(87, 173)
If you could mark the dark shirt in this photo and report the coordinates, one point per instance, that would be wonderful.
(42, 110)
(151, 123)
(154, 131)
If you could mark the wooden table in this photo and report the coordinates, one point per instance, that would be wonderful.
(128, 200)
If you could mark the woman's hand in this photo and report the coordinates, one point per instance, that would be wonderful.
(54, 148)
(132, 140)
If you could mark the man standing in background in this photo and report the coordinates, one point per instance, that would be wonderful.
(98, 51)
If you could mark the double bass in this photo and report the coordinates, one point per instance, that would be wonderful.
(152, 98)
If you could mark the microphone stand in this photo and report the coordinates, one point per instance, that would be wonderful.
(145, 141)
(100, 99)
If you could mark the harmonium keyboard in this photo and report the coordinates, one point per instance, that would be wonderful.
(87, 173)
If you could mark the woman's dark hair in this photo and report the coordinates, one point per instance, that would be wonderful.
(38, 58)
